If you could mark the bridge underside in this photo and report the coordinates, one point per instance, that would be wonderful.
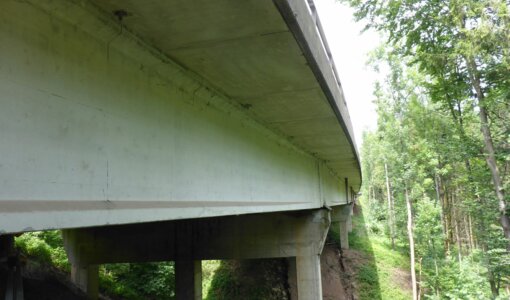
(147, 118)
(167, 118)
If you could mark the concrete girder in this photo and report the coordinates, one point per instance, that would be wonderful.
(233, 237)
(341, 216)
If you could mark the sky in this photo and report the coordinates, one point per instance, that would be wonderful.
(349, 49)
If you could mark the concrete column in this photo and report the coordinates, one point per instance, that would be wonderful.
(309, 284)
(292, 277)
(13, 284)
(342, 216)
(87, 279)
(83, 273)
(188, 279)
(197, 277)
(344, 234)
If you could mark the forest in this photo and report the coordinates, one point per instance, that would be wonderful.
(437, 168)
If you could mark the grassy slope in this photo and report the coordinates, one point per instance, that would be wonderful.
(385, 272)
(247, 279)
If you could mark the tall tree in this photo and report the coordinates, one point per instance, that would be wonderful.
(391, 213)
(463, 46)
(433, 151)
(411, 243)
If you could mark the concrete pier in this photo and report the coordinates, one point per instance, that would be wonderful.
(87, 279)
(308, 271)
(188, 279)
(341, 218)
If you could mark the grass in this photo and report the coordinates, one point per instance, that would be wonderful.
(379, 278)
(209, 268)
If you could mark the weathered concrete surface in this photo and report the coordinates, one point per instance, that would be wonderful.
(87, 279)
(269, 56)
(309, 282)
(98, 127)
(341, 217)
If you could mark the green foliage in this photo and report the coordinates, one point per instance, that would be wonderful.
(139, 281)
(376, 277)
(368, 279)
(428, 230)
(426, 155)
(224, 284)
(209, 270)
(456, 280)
(45, 247)
(261, 279)
(449, 64)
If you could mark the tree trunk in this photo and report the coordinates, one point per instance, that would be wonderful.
(467, 231)
(482, 229)
(447, 223)
(456, 228)
(439, 199)
(369, 195)
(437, 276)
(419, 281)
(496, 179)
(489, 148)
(494, 287)
(438, 194)
(411, 243)
(390, 207)
(471, 235)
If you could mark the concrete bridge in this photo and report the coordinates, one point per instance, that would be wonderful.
(174, 130)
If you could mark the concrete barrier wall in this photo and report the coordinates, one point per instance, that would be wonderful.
(98, 128)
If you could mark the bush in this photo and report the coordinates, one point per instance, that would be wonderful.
(139, 281)
(45, 247)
